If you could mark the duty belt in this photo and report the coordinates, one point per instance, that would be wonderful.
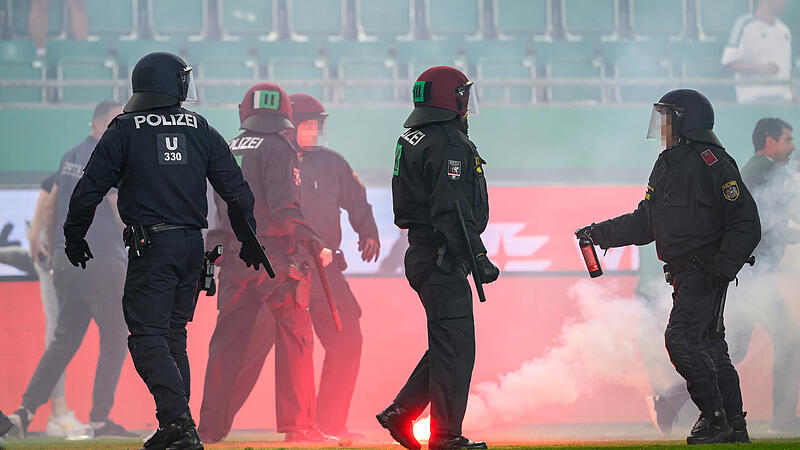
(675, 267)
(425, 236)
(161, 227)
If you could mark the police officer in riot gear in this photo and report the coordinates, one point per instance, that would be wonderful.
(436, 165)
(329, 183)
(256, 313)
(159, 155)
(705, 225)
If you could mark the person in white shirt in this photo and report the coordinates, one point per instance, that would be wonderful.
(760, 47)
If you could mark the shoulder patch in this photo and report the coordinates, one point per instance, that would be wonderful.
(709, 157)
(730, 190)
(296, 176)
(453, 169)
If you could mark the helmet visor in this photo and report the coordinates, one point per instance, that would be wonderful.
(312, 134)
(466, 92)
(664, 124)
(186, 80)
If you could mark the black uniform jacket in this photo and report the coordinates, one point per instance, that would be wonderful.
(435, 166)
(159, 159)
(271, 167)
(695, 205)
(328, 183)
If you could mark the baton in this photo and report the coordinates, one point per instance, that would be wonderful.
(323, 277)
(751, 260)
(475, 275)
(251, 235)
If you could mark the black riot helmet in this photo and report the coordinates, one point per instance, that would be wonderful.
(160, 79)
(690, 114)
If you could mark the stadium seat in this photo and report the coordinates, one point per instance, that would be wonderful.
(58, 50)
(511, 49)
(86, 69)
(417, 56)
(21, 69)
(336, 51)
(316, 18)
(295, 74)
(358, 72)
(522, 17)
(19, 10)
(416, 66)
(635, 62)
(454, 17)
(715, 18)
(573, 60)
(178, 18)
(385, 17)
(701, 60)
(129, 52)
(246, 18)
(491, 70)
(112, 17)
(590, 17)
(17, 49)
(221, 60)
(582, 71)
(659, 18)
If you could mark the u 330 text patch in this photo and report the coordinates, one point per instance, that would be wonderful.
(453, 169)
(730, 190)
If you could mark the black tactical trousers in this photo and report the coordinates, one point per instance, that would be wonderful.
(83, 296)
(158, 302)
(700, 355)
(443, 375)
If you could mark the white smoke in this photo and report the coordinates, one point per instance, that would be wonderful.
(597, 348)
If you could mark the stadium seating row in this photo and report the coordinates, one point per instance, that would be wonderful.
(514, 71)
(258, 19)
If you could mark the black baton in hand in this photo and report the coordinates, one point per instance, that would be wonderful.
(251, 235)
(475, 274)
(323, 277)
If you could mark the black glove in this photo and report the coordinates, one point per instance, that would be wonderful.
(78, 252)
(486, 269)
(713, 277)
(251, 253)
(591, 232)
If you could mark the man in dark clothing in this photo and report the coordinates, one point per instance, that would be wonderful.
(328, 185)
(705, 225)
(83, 296)
(436, 165)
(256, 312)
(159, 155)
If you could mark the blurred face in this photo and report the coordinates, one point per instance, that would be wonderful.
(780, 150)
(667, 139)
(308, 134)
(775, 7)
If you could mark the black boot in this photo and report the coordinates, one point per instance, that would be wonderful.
(711, 427)
(400, 423)
(181, 434)
(739, 429)
(453, 442)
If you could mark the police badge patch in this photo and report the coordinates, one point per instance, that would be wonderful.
(730, 190)
(296, 176)
(453, 169)
(708, 157)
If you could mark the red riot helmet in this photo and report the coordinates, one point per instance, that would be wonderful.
(265, 108)
(440, 94)
(308, 117)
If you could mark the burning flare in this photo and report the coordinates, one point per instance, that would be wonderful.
(422, 429)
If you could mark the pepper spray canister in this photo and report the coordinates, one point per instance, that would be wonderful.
(590, 257)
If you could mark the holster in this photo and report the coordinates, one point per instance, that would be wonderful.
(339, 261)
(136, 237)
(448, 261)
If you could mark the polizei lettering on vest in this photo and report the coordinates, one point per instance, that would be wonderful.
(246, 143)
(159, 120)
